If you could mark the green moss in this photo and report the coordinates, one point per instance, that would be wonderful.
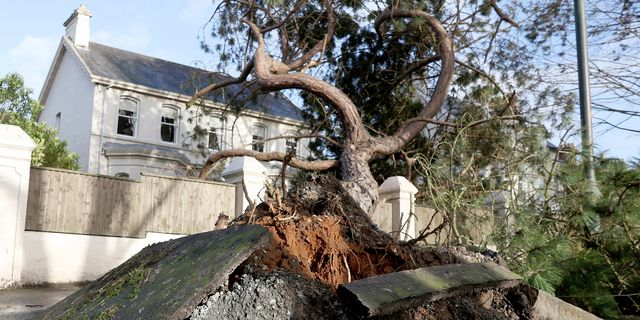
(114, 294)
(134, 280)
(109, 313)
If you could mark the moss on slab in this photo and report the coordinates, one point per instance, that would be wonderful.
(165, 280)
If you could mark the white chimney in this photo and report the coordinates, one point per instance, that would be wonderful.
(78, 26)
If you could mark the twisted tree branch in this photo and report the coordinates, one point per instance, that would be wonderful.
(225, 83)
(410, 129)
(313, 165)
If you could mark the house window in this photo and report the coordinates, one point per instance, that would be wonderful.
(258, 134)
(215, 134)
(127, 116)
(213, 143)
(169, 124)
(291, 146)
(58, 120)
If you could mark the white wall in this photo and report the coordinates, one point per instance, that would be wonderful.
(237, 134)
(89, 116)
(66, 258)
(15, 162)
(71, 94)
(134, 165)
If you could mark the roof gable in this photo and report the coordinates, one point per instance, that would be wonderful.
(122, 65)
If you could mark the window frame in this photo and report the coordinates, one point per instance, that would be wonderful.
(296, 147)
(135, 117)
(175, 125)
(262, 146)
(218, 129)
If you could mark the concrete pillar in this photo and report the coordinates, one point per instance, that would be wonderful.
(401, 194)
(253, 173)
(15, 163)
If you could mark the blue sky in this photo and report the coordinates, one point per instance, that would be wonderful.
(165, 29)
(169, 29)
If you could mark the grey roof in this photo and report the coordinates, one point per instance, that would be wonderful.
(122, 65)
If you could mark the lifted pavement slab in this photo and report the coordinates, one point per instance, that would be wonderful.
(548, 307)
(386, 294)
(165, 280)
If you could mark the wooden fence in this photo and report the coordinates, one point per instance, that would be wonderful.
(74, 202)
(475, 225)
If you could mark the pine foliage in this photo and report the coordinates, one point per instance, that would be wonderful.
(586, 254)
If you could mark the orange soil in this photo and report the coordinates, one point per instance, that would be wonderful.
(338, 244)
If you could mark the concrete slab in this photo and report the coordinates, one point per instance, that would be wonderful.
(166, 280)
(548, 307)
(31, 303)
(386, 294)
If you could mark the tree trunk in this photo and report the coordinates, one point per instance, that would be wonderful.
(357, 178)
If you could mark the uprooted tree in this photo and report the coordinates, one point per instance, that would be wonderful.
(285, 45)
(296, 34)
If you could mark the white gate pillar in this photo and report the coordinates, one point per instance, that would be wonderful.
(253, 173)
(15, 164)
(400, 192)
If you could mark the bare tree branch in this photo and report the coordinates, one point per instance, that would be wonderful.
(321, 45)
(300, 136)
(503, 16)
(215, 86)
(273, 75)
(311, 165)
(409, 130)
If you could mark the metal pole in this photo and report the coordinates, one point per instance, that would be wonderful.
(585, 101)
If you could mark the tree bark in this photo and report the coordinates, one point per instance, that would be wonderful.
(357, 179)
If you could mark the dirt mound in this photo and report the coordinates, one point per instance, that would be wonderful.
(321, 234)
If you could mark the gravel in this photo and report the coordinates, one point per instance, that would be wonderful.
(278, 295)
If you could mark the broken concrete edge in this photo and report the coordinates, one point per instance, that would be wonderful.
(386, 294)
(240, 257)
(548, 307)
(417, 301)
(191, 268)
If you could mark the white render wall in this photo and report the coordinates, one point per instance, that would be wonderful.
(237, 134)
(15, 163)
(88, 108)
(71, 94)
(50, 257)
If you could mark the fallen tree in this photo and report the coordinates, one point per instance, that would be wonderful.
(302, 47)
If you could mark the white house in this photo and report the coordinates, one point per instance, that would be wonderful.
(124, 113)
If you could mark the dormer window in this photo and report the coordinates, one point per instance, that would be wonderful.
(127, 117)
(258, 134)
(169, 124)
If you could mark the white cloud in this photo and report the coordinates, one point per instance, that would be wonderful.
(32, 58)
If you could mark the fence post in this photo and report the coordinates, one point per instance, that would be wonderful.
(401, 194)
(15, 163)
(252, 172)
